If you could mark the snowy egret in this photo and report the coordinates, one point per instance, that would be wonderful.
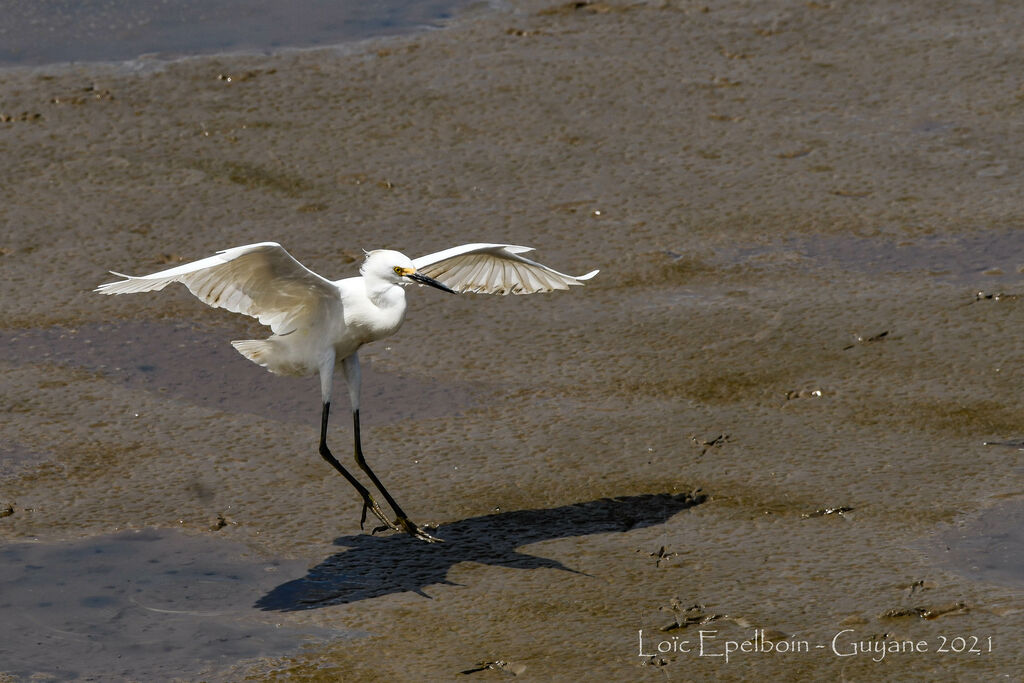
(317, 323)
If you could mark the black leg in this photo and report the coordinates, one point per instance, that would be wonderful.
(403, 521)
(368, 502)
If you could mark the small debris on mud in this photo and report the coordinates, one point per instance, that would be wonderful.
(861, 339)
(821, 512)
(920, 584)
(925, 612)
(220, 522)
(803, 393)
(497, 665)
(694, 615)
(661, 555)
(1018, 444)
(995, 296)
(654, 660)
(707, 444)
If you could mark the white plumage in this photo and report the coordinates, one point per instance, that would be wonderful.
(317, 323)
(494, 269)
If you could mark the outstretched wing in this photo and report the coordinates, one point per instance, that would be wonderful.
(260, 280)
(494, 269)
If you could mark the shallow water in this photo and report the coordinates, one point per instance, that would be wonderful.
(52, 31)
(196, 365)
(139, 605)
(989, 258)
(986, 546)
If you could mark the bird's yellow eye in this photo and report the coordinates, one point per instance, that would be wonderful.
(399, 270)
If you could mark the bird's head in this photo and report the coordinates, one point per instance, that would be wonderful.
(396, 268)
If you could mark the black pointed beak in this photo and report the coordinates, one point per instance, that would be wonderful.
(424, 280)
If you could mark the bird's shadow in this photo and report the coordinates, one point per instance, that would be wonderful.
(373, 566)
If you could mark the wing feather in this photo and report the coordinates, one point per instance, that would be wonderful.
(494, 269)
(479, 272)
(259, 280)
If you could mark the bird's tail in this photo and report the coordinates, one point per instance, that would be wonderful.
(256, 350)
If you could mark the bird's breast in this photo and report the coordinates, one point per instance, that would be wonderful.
(367, 321)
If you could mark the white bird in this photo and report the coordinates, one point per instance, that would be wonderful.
(317, 323)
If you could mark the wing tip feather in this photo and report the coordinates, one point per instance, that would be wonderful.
(114, 287)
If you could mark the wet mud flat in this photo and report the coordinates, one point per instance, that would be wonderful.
(765, 420)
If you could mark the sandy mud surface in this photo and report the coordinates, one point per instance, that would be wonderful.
(764, 421)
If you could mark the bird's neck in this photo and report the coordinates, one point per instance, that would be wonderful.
(385, 295)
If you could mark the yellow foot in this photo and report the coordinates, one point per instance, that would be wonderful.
(370, 504)
(409, 527)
